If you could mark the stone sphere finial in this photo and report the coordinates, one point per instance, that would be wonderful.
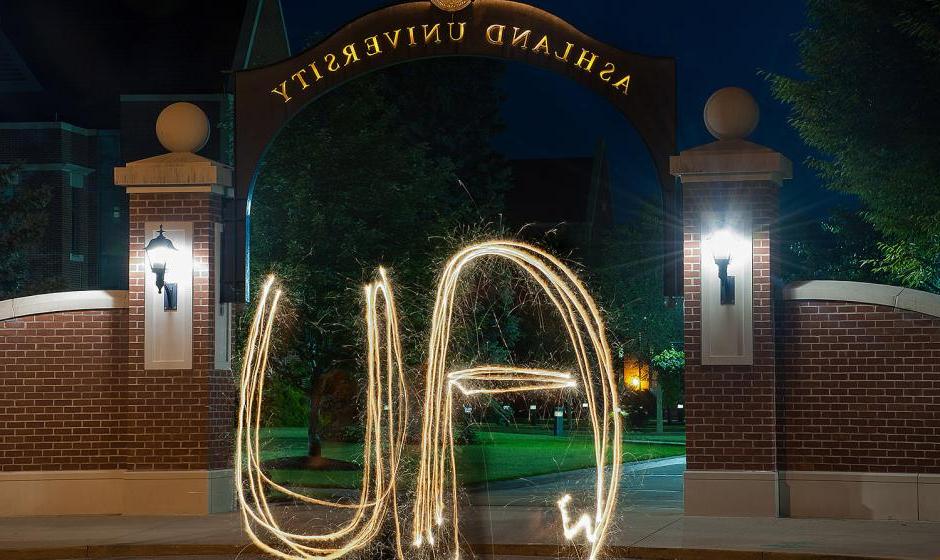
(183, 127)
(731, 114)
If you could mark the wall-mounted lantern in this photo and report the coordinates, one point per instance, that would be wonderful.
(159, 252)
(721, 244)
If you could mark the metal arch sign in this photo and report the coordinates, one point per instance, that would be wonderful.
(642, 87)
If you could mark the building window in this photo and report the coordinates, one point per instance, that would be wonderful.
(76, 179)
(78, 223)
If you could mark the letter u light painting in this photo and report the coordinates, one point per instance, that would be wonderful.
(432, 527)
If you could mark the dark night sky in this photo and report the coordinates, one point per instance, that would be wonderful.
(716, 44)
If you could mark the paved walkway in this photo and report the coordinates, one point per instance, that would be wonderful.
(519, 516)
(647, 486)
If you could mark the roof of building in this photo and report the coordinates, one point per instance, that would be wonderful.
(85, 55)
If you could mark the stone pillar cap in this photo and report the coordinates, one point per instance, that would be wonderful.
(175, 172)
(731, 161)
(182, 127)
(730, 115)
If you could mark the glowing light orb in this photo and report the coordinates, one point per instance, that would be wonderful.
(386, 415)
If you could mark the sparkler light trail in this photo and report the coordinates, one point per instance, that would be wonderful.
(386, 417)
(386, 411)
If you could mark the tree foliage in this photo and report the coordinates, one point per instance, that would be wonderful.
(627, 274)
(840, 246)
(670, 373)
(381, 171)
(24, 218)
(868, 103)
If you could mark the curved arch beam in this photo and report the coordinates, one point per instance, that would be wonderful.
(642, 88)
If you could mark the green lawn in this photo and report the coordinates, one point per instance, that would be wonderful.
(497, 456)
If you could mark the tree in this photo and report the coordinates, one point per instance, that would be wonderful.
(23, 221)
(669, 366)
(628, 278)
(868, 104)
(363, 178)
(840, 246)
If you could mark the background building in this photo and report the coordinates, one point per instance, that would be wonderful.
(562, 201)
(81, 84)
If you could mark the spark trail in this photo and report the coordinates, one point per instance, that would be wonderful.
(386, 415)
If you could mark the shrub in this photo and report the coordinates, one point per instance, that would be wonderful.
(285, 405)
(637, 406)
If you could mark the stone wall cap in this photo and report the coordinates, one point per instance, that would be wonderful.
(861, 292)
(62, 302)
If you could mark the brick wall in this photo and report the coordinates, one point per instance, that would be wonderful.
(180, 419)
(61, 391)
(859, 388)
(74, 394)
(730, 410)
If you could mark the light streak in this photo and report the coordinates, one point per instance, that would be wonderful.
(386, 417)
(386, 408)
(527, 380)
(587, 334)
(584, 524)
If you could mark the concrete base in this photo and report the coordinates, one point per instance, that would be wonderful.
(809, 494)
(845, 495)
(928, 497)
(116, 492)
(731, 493)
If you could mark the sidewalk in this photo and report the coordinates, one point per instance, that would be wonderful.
(515, 531)
(513, 518)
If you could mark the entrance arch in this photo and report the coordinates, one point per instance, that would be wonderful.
(642, 88)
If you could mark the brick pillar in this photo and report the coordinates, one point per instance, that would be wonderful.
(180, 391)
(730, 187)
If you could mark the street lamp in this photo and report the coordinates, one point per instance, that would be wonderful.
(159, 251)
(634, 376)
(721, 244)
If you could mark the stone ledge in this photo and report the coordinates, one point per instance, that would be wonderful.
(63, 301)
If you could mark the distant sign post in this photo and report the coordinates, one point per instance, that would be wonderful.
(559, 421)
